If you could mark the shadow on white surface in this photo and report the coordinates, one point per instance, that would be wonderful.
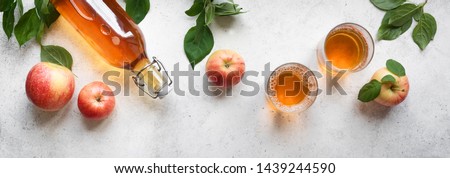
(373, 110)
(285, 121)
(50, 120)
(225, 22)
(282, 120)
(92, 125)
(220, 92)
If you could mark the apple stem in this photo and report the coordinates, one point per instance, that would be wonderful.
(397, 89)
(227, 63)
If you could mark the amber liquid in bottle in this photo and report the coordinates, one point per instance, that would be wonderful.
(106, 26)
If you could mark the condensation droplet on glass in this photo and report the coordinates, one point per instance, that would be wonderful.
(105, 29)
(115, 40)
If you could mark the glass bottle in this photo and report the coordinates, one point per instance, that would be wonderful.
(106, 26)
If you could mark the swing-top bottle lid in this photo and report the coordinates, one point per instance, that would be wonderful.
(153, 79)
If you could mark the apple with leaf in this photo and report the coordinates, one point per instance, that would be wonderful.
(389, 86)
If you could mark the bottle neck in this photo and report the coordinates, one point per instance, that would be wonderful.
(152, 78)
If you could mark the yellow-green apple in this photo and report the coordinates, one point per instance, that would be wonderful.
(96, 101)
(49, 86)
(392, 93)
(225, 68)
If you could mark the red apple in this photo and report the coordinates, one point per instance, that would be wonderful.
(96, 101)
(49, 86)
(225, 68)
(391, 94)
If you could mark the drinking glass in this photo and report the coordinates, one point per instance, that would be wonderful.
(348, 46)
(292, 87)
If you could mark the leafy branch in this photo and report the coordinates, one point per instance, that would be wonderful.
(199, 40)
(399, 18)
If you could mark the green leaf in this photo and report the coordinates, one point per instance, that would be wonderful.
(196, 8)
(227, 9)
(20, 4)
(40, 33)
(432, 23)
(198, 42)
(387, 32)
(137, 9)
(28, 27)
(425, 30)
(395, 67)
(418, 14)
(210, 13)
(57, 55)
(201, 19)
(369, 91)
(46, 11)
(5, 5)
(387, 4)
(388, 79)
(52, 16)
(8, 20)
(41, 6)
(403, 14)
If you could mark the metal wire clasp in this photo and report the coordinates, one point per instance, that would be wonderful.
(167, 82)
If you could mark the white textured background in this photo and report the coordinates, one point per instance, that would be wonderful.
(190, 126)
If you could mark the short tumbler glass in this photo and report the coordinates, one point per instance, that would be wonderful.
(292, 87)
(347, 46)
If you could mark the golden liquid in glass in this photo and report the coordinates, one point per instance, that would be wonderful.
(345, 48)
(290, 89)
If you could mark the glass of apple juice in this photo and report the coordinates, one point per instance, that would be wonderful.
(347, 46)
(292, 87)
